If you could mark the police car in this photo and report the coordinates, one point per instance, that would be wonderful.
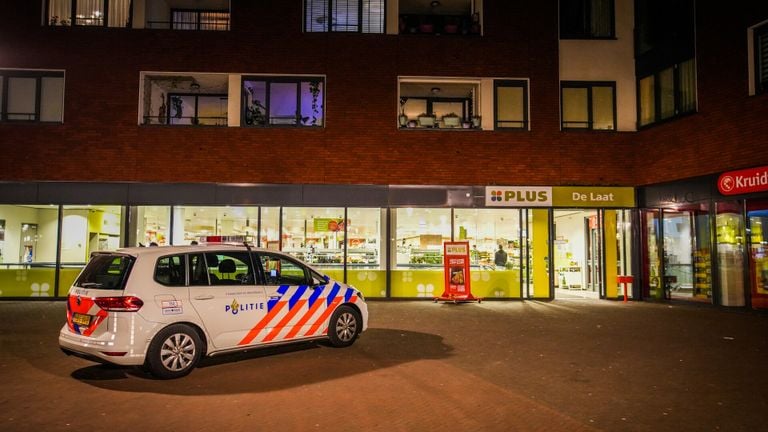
(166, 307)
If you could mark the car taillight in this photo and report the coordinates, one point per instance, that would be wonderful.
(119, 304)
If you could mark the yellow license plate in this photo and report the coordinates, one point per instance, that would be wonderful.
(80, 319)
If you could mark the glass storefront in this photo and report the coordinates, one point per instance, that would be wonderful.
(28, 238)
(495, 239)
(395, 252)
(419, 234)
(86, 229)
(757, 214)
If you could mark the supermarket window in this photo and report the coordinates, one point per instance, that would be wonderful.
(668, 93)
(511, 101)
(419, 237)
(588, 105)
(587, 19)
(315, 235)
(348, 16)
(32, 96)
(760, 42)
(283, 102)
(98, 13)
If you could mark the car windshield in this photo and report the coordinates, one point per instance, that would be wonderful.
(105, 272)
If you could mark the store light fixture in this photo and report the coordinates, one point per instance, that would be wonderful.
(435, 90)
(435, 3)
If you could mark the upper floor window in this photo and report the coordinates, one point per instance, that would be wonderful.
(588, 105)
(31, 96)
(761, 58)
(104, 13)
(193, 19)
(587, 19)
(668, 93)
(357, 16)
(511, 104)
(283, 101)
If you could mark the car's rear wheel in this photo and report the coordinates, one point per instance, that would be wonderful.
(344, 326)
(174, 352)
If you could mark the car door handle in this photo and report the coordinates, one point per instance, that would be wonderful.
(204, 297)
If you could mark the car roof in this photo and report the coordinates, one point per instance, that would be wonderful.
(169, 250)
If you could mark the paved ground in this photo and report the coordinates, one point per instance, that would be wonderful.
(565, 365)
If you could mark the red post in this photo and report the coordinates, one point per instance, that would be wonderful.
(625, 280)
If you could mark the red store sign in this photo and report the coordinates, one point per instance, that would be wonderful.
(743, 181)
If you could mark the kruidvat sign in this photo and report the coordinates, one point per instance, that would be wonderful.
(743, 181)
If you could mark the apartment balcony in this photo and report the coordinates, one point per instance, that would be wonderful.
(211, 15)
(443, 17)
(185, 100)
(439, 105)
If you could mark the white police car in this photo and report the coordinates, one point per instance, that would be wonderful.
(165, 307)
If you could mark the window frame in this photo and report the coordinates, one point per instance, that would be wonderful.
(198, 14)
(273, 79)
(585, 33)
(515, 84)
(7, 74)
(760, 62)
(588, 85)
(657, 99)
(194, 120)
(329, 22)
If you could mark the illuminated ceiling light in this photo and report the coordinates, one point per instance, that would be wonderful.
(435, 90)
(435, 3)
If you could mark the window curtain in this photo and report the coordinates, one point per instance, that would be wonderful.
(90, 12)
(316, 16)
(119, 13)
(647, 100)
(345, 15)
(59, 12)
(601, 19)
(373, 16)
(687, 86)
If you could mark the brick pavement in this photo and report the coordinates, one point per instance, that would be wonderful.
(566, 365)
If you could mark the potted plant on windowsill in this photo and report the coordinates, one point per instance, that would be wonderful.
(476, 122)
(451, 120)
(426, 120)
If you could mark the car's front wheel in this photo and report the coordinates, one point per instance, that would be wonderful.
(174, 352)
(344, 326)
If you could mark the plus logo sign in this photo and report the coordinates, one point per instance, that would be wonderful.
(496, 195)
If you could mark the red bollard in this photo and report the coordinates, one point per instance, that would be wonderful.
(625, 280)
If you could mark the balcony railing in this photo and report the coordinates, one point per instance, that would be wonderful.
(185, 121)
(194, 20)
(440, 24)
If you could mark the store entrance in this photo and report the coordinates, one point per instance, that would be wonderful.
(578, 254)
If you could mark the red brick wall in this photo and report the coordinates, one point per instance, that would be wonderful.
(730, 129)
(101, 141)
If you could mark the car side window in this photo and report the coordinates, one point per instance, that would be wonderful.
(229, 268)
(171, 271)
(279, 270)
